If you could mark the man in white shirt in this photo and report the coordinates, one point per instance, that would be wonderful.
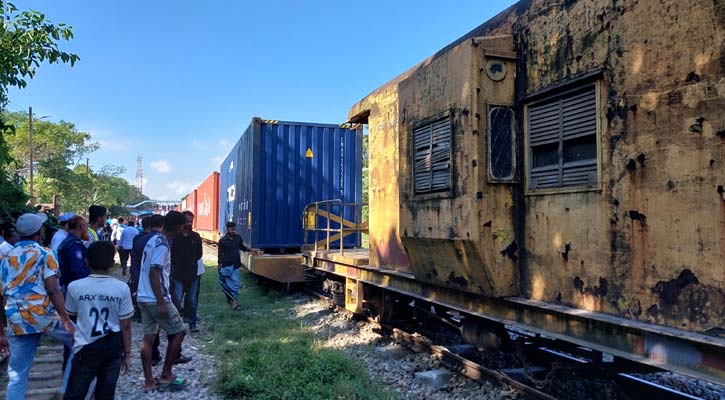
(7, 236)
(5, 247)
(154, 301)
(125, 243)
(117, 230)
(102, 307)
(61, 233)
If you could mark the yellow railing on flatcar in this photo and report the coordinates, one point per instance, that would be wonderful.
(331, 221)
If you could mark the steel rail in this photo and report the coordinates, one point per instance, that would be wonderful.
(466, 367)
(643, 388)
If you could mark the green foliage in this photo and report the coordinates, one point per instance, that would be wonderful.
(58, 152)
(56, 146)
(26, 40)
(267, 354)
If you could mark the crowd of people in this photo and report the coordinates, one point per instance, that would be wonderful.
(60, 285)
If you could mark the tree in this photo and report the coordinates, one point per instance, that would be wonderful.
(57, 148)
(26, 40)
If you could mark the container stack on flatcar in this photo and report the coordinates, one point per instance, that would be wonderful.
(188, 203)
(270, 175)
(277, 168)
(206, 222)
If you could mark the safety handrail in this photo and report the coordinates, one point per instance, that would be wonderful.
(313, 212)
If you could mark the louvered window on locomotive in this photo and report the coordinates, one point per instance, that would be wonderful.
(432, 163)
(501, 153)
(563, 141)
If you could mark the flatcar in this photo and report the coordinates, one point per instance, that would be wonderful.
(271, 174)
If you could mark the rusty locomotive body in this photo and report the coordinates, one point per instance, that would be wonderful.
(560, 168)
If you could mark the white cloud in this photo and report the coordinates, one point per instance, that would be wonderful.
(200, 145)
(224, 143)
(180, 187)
(217, 161)
(161, 166)
(110, 141)
(115, 145)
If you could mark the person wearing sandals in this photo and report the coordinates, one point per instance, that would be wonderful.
(228, 263)
(102, 308)
(157, 309)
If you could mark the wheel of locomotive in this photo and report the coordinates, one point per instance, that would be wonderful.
(378, 303)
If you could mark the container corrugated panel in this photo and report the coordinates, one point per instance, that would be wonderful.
(189, 203)
(207, 204)
(228, 188)
(283, 167)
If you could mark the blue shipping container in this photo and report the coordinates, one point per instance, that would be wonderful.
(277, 168)
(228, 188)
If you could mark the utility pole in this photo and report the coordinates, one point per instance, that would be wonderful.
(30, 150)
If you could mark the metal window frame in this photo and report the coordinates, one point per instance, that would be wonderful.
(491, 177)
(446, 193)
(559, 95)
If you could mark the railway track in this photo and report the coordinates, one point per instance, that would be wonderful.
(46, 378)
(537, 375)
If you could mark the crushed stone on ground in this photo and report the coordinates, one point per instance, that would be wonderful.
(359, 340)
(199, 372)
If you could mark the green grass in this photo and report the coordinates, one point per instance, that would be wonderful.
(265, 353)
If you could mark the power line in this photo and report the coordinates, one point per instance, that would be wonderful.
(16, 107)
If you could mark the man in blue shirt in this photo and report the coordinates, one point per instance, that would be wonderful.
(72, 253)
(72, 261)
(125, 243)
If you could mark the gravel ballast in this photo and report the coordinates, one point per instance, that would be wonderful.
(362, 342)
(199, 372)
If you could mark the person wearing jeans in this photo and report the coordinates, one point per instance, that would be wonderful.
(102, 308)
(33, 303)
(125, 244)
(185, 253)
(228, 262)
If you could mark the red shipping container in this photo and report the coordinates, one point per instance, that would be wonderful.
(207, 204)
(189, 203)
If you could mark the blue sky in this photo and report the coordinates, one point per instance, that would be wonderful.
(177, 82)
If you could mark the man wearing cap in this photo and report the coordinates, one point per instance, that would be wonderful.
(61, 233)
(33, 303)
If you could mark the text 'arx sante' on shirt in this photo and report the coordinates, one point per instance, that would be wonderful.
(99, 297)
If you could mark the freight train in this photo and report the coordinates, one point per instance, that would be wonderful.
(272, 173)
(557, 170)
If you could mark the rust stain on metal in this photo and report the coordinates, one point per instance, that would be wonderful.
(669, 291)
(660, 147)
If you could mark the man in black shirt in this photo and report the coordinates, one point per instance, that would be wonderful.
(185, 254)
(228, 263)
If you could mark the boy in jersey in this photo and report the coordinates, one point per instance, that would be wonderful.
(157, 310)
(102, 307)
